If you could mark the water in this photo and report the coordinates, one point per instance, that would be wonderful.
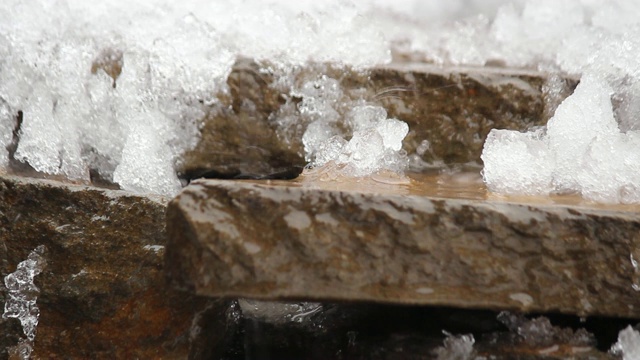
(466, 185)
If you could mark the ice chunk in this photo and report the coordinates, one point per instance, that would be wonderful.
(278, 312)
(363, 154)
(375, 142)
(456, 347)
(329, 150)
(393, 132)
(7, 123)
(539, 332)
(365, 116)
(22, 297)
(581, 151)
(41, 139)
(628, 344)
(581, 120)
(371, 149)
(517, 163)
(146, 164)
(318, 138)
(374, 149)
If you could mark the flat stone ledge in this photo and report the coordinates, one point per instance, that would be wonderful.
(453, 108)
(324, 242)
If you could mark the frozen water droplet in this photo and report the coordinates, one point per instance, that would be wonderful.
(636, 273)
(456, 347)
(23, 293)
(628, 344)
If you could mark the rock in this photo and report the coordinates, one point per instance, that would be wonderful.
(453, 109)
(103, 293)
(237, 138)
(368, 241)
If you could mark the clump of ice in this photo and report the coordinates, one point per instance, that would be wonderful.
(456, 347)
(6, 133)
(581, 150)
(278, 312)
(628, 344)
(517, 163)
(372, 142)
(539, 332)
(372, 148)
(22, 296)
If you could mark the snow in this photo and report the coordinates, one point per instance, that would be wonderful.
(121, 88)
(582, 150)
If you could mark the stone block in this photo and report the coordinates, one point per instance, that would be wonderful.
(413, 244)
(453, 109)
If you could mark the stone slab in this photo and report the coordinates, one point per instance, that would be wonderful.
(452, 108)
(403, 244)
(103, 292)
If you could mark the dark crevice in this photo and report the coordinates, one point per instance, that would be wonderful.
(287, 173)
(374, 331)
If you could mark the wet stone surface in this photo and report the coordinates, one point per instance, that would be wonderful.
(398, 244)
(103, 292)
(256, 130)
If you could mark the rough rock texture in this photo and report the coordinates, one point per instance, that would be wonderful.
(288, 240)
(452, 108)
(103, 293)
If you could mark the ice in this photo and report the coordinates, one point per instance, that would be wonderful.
(581, 122)
(628, 344)
(7, 123)
(121, 87)
(539, 332)
(581, 150)
(278, 312)
(517, 163)
(329, 150)
(364, 143)
(375, 144)
(22, 296)
(590, 145)
(146, 174)
(456, 347)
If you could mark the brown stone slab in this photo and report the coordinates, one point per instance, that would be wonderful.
(412, 244)
(103, 293)
(452, 108)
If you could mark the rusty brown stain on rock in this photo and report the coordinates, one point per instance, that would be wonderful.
(103, 293)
